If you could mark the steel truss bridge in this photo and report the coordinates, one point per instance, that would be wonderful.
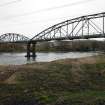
(84, 27)
(13, 38)
(90, 26)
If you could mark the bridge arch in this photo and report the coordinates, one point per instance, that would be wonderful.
(83, 27)
(13, 38)
(89, 26)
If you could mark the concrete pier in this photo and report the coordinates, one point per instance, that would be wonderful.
(31, 50)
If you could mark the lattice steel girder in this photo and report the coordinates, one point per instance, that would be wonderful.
(13, 37)
(44, 34)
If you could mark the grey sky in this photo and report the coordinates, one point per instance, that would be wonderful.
(29, 17)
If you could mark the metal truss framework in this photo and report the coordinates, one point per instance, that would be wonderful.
(13, 38)
(84, 27)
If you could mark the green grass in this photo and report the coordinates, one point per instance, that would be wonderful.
(18, 94)
(57, 83)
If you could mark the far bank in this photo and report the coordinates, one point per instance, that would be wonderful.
(55, 46)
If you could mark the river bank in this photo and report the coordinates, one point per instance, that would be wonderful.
(61, 82)
(56, 46)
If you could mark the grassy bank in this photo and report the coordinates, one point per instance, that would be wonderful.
(61, 82)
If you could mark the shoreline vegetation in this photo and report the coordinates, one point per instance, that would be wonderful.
(81, 46)
(62, 82)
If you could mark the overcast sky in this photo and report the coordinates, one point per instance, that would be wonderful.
(29, 17)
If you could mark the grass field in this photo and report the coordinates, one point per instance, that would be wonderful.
(62, 82)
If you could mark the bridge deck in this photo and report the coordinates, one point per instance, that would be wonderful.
(71, 38)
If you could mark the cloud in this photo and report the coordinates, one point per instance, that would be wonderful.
(8, 3)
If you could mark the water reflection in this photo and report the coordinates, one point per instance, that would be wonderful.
(19, 58)
(31, 59)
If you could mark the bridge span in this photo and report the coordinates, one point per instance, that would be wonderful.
(84, 27)
(13, 38)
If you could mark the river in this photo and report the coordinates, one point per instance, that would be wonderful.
(19, 58)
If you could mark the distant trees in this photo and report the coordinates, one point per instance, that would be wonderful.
(77, 45)
(10, 47)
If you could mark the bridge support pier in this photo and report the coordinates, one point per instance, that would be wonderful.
(34, 49)
(28, 50)
(31, 50)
